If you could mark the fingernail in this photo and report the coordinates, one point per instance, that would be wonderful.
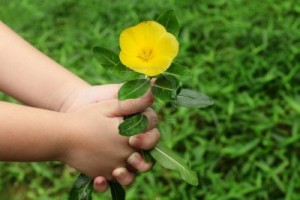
(133, 158)
(134, 141)
(120, 173)
(100, 182)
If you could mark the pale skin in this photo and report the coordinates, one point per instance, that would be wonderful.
(66, 119)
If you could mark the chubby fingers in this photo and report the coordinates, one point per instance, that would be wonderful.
(130, 106)
(145, 141)
(123, 176)
(137, 161)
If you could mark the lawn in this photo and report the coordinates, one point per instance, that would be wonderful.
(245, 54)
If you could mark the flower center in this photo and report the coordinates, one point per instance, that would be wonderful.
(146, 55)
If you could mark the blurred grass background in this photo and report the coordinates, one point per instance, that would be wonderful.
(243, 53)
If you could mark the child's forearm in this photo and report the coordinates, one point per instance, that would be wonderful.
(30, 76)
(30, 134)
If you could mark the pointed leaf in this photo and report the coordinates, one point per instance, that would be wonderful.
(82, 188)
(133, 125)
(124, 72)
(110, 60)
(106, 57)
(117, 191)
(168, 159)
(169, 20)
(179, 71)
(191, 98)
(134, 89)
(166, 87)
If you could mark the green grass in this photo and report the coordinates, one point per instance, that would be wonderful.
(244, 54)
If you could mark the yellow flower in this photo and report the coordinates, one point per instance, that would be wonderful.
(148, 48)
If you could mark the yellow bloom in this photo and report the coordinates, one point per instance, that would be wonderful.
(148, 48)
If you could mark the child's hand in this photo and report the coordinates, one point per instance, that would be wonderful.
(111, 149)
(88, 95)
(92, 94)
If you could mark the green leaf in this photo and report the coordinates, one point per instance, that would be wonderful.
(147, 157)
(117, 191)
(110, 60)
(124, 72)
(82, 188)
(134, 89)
(191, 98)
(169, 20)
(179, 71)
(166, 87)
(168, 159)
(106, 57)
(133, 125)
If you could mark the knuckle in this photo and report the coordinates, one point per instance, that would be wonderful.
(132, 103)
(122, 108)
(147, 98)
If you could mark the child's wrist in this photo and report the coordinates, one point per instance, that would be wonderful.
(65, 138)
(70, 140)
(64, 95)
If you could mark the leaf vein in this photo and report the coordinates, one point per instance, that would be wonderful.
(141, 118)
(146, 81)
(164, 88)
(170, 158)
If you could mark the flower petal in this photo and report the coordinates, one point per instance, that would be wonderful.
(128, 43)
(151, 68)
(147, 33)
(158, 65)
(167, 45)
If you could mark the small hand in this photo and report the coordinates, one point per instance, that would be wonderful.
(89, 95)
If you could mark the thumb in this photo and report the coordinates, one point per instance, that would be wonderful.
(132, 106)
